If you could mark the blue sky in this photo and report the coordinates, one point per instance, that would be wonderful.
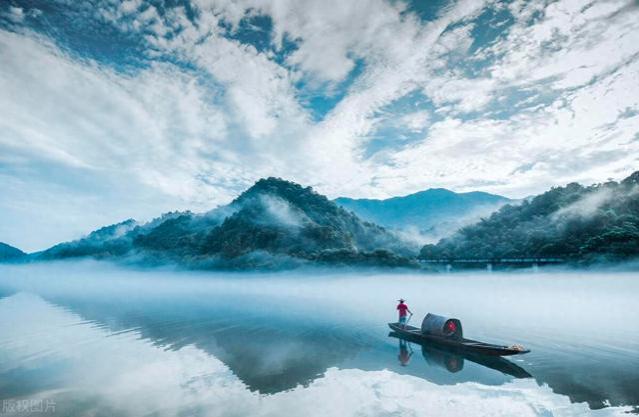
(117, 109)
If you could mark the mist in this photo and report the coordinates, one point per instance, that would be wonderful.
(419, 237)
(587, 206)
(279, 211)
(231, 332)
(367, 295)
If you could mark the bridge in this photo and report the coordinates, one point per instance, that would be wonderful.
(534, 262)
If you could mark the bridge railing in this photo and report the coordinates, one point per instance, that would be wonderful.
(494, 261)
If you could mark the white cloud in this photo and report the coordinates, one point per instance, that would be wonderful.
(156, 130)
(416, 121)
(572, 44)
(196, 137)
(465, 94)
(130, 6)
(579, 137)
(152, 127)
(15, 14)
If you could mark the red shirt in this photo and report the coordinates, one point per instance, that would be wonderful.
(402, 309)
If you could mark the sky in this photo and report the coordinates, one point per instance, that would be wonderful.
(127, 109)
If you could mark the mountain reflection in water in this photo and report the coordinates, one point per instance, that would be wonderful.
(276, 334)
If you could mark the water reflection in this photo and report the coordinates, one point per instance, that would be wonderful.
(453, 362)
(270, 337)
(447, 360)
(86, 369)
(405, 352)
(266, 348)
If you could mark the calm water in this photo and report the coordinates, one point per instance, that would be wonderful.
(94, 340)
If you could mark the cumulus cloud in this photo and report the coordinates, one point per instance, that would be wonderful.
(550, 97)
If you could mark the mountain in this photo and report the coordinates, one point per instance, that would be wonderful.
(598, 222)
(433, 213)
(273, 224)
(107, 241)
(9, 253)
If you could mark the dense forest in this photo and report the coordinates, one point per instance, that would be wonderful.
(273, 224)
(594, 223)
(279, 224)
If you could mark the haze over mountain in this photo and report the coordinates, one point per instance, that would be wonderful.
(595, 223)
(430, 214)
(8, 252)
(274, 223)
(279, 224)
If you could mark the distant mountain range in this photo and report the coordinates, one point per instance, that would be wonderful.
(279, 224)
(427, 215)
(595, 223)
(273, 224)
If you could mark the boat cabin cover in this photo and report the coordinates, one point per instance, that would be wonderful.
(442, 326)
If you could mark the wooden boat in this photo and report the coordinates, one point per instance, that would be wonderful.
(459, 344)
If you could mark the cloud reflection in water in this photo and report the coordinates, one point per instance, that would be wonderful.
(87, 368)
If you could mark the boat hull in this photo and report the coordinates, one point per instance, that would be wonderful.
(462, 345)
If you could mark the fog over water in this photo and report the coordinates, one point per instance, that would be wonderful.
(100, 340)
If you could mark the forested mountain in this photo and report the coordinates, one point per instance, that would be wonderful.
(9, 253)
(274, 223)
(434, 213)
(599, 222)
(277, 223)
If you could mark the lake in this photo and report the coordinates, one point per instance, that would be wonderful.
(92, 339)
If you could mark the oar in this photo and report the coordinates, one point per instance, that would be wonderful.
(408, 319)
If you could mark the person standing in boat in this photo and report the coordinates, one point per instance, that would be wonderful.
(403, 312)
